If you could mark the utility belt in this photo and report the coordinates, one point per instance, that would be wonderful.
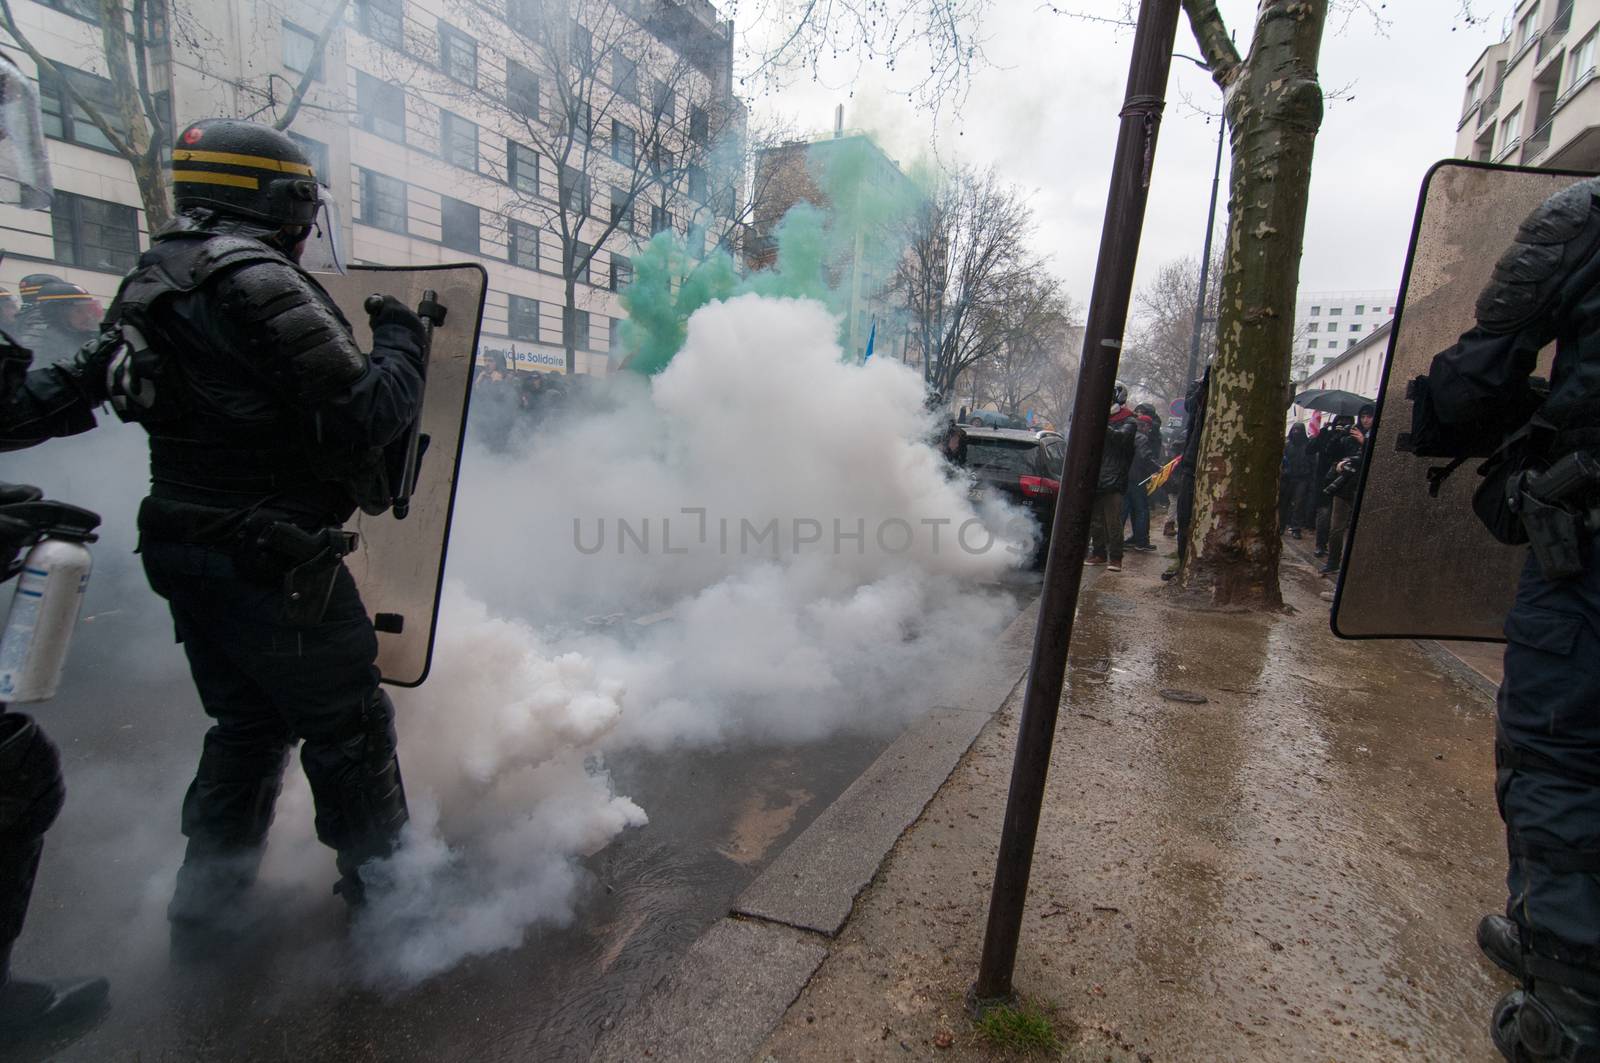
(267, 548)
(1558, 509)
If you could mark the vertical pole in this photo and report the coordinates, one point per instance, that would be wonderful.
(1205, 264)
(1102, 344)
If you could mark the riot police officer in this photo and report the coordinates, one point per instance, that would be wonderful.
(1546, 287)
(268, 428)
(65, 317)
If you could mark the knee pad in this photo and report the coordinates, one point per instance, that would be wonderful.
(31, 788)
(234, 793)
(355, 782)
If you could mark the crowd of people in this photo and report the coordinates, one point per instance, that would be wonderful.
(506, 402)
(1318, 481)
(50, 316)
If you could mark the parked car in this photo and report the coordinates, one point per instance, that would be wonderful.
(1021, 465)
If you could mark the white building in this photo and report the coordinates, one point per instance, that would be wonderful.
(1326, 324)
(1532, 99)
(408, 122)
(1357, 369)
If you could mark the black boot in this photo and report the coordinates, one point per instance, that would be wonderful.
(359, 794)
(209, 912)
(31, 1007)
(1500, 941)
(1551, 1023)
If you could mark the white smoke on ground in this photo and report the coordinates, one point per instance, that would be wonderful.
(811, 633)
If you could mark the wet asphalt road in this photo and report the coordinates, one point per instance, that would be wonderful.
(129, 726)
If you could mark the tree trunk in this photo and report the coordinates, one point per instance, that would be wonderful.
(569, 322)
(1274, 107)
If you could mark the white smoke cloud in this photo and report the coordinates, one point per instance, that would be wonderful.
(757, 420)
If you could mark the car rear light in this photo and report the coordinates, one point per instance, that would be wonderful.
(1038, 486)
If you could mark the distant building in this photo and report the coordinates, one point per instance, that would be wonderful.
(1533, 99)
(1358, 369)
(1326, 324)
(792, 173)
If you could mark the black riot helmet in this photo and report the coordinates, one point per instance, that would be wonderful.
(244, 170)
(28, 287)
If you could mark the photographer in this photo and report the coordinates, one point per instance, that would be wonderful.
(1345, 452)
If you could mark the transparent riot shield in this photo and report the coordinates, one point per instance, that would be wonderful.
(1418, 566)
(399, 564)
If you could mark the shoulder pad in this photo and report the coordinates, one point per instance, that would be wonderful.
(295, 333)
(222, 253)
(1559, 236)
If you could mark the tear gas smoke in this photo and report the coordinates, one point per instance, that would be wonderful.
(759, 418)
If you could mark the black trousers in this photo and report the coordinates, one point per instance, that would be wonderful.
(269, 683)
(31, 796)
(1548, 769)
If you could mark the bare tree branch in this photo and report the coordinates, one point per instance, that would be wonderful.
(335, 17)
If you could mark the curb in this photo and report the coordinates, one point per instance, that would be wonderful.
(737, 981)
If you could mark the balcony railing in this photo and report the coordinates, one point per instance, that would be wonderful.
(1556, 31)
(1491, 103)
(1506, 152)
(1537, 143)
(1527, 46)
(1466, 116)
(1579, 83)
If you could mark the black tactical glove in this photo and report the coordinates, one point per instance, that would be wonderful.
(16, 534)
(386, 313)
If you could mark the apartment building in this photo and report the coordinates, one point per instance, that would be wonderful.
(421, 118)
(1533, 99)
(1326, 324)
(1357, 369)
(867, 199)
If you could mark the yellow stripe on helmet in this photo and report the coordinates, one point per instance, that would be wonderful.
(202, 177)
(253, 162)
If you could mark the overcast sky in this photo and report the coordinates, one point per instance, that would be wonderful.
(1045, 113)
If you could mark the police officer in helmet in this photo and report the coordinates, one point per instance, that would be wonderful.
(268, 428)
(1542, 486)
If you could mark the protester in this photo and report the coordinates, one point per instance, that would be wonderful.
(1105, 519)
(1146, 463)
(1323, 447)
(1294, 481)
(1347, 451)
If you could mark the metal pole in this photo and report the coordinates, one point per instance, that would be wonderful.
(1205, 262)
(1069, 541)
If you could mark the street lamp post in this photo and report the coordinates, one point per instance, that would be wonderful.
(1205, 259)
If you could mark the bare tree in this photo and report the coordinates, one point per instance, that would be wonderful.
(967, 250)
(1157, 354)
(1039, 318)
(137, 38)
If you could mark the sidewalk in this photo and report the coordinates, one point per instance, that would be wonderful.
(1290, 871)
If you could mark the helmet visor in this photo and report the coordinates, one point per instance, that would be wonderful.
(324, 250)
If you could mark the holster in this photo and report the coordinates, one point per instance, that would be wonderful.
(304, 563)
(1555, 533)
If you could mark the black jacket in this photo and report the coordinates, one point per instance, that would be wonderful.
(1297, 459)
(1117, 460)
(1146, 448)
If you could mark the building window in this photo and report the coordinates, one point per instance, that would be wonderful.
(458, 55)
(383, 202)
(316, 153)
(67, 121)
(622, 143)
(625, 77)
(621, 273)
(1311, 345)
(1580, 63)
(1335, 311)
(574, 190)
(663, 101)
(660, 220)
(1350, 343)
(576, 331)
(1527, 26)
(522, 168)
(580, 121)
(458, 141)
(1474, 92)
(1511, 129)
(1361, 308)
(94, 234)
(88, 10)
(524, 245)
(300, 51)
(522, 90)
(582, 261)
(699, 125)
(522, 318)
(697, 183)
(1355, 328)
(383, 21)
(382, 107)
(1312, 327)
(458, 226)
(621, 209)
(1315, 310)
(582, 46)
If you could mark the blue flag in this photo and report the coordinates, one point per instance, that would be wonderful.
(871, 337)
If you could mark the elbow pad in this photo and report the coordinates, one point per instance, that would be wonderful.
(297, 336)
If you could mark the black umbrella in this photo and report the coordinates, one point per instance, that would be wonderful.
(1329, 400)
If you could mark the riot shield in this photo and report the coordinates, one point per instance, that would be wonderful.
(1418, 566)
(399, 564)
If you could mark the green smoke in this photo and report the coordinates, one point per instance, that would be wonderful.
(839, 254)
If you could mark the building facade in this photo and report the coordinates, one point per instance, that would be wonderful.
(1326, 324)
(1533, 99)
(420, 118)
(1358, 369)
